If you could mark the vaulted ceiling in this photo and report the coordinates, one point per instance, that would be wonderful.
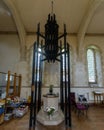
(80, 16)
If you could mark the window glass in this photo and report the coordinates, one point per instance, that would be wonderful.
(38, 65)
(91, 65)
(63, 57)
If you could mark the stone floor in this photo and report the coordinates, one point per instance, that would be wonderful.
(93, 121)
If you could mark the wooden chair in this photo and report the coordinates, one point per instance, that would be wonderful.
(80, 107)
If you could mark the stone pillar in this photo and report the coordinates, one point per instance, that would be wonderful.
(23, 53)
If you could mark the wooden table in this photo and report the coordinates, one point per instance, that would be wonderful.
(98, 97)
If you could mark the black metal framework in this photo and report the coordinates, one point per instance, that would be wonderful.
(51, 51)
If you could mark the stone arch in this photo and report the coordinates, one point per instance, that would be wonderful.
(93, 46)
(93, 5)
(20, 27)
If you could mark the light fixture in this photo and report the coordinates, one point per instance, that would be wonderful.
(51, 45)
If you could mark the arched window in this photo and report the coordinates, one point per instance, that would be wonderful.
(94, 66)
(91, 65)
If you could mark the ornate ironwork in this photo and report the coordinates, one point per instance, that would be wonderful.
(51, 38)
(51, 51)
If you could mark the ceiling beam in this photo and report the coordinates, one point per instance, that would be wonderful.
(20, 27)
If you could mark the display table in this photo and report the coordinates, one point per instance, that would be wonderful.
(50, 101)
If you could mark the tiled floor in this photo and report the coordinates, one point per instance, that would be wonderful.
(93, 121)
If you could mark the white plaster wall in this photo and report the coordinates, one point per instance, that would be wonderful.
(99, 67)
(22, 68)
(9, 52)
(25, 92)
(51, 74)
(79, 75)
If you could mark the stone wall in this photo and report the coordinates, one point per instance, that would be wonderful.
(9, 47)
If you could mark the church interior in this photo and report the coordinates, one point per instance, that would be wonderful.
(51, 64)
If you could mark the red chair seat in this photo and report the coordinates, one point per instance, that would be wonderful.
(80, 106)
